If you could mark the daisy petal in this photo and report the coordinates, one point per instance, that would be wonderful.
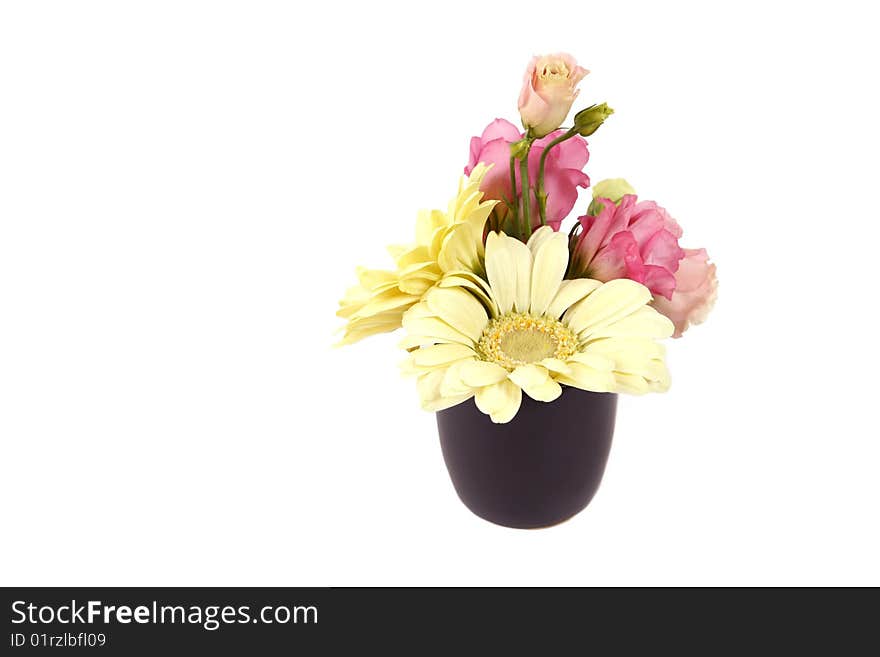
(587, 378)
(538, 238)
(555, 365)
(500, 401)
(475, 285)
(417, 255)
(535, 381)
(440, 355)
(570, 292)
(632, 384)
(426, 269)
(459, 309)
(612, 302)
(646, 322)
(435, 329)
(452, 385)
(479, 373)
(508, 267)
(415, 286)
(594, 360)
(420, 309)
(374, 279)
(428, 386)
(626, 350)
(446, 402)
(529, 375)
(641, 358)
(551, 261)
(501, 272)
(548, 392)
(356, 330)
(428, 221)
(458, 249)
(385, 301)
(523, 259)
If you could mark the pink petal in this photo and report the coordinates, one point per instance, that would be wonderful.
(476, 148)
(662, 249)
(658, 279)
(501, 129)
(572, 154)
(618, 259)
(562, 192)
(655, 215)
(532, 107)
(496, 183)
(622, 213)
(527, 86)
(645, 222)
(593, 232)
(695, 292)
(693, 270)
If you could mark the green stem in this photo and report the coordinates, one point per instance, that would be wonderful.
(539, 187)
(526, 195)
(512, 205)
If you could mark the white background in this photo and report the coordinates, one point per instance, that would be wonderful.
(186, 188)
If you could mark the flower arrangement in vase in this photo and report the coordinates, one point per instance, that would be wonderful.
(520, 334)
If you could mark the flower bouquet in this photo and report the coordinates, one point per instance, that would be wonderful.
(520, 333)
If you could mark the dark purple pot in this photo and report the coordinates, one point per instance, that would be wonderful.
(539, 469)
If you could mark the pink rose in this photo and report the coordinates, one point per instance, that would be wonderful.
(696, 288)
(549, 89)
(562, 172)
(636, 240)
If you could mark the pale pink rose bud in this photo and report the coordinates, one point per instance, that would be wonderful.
(696, 288)
(549, 89)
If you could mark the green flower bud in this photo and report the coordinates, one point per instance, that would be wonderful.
(518, 149)
(587, 121)
(613, 189)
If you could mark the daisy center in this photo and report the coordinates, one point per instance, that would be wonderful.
(519, 339)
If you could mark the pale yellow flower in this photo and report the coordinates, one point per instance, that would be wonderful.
(448, 245)
(529, 330)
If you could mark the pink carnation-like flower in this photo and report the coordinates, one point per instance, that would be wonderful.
(635, 240)
(696, 288)
(562, 172)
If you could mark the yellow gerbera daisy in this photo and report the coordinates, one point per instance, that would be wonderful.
(448, 244)
(529, 330)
